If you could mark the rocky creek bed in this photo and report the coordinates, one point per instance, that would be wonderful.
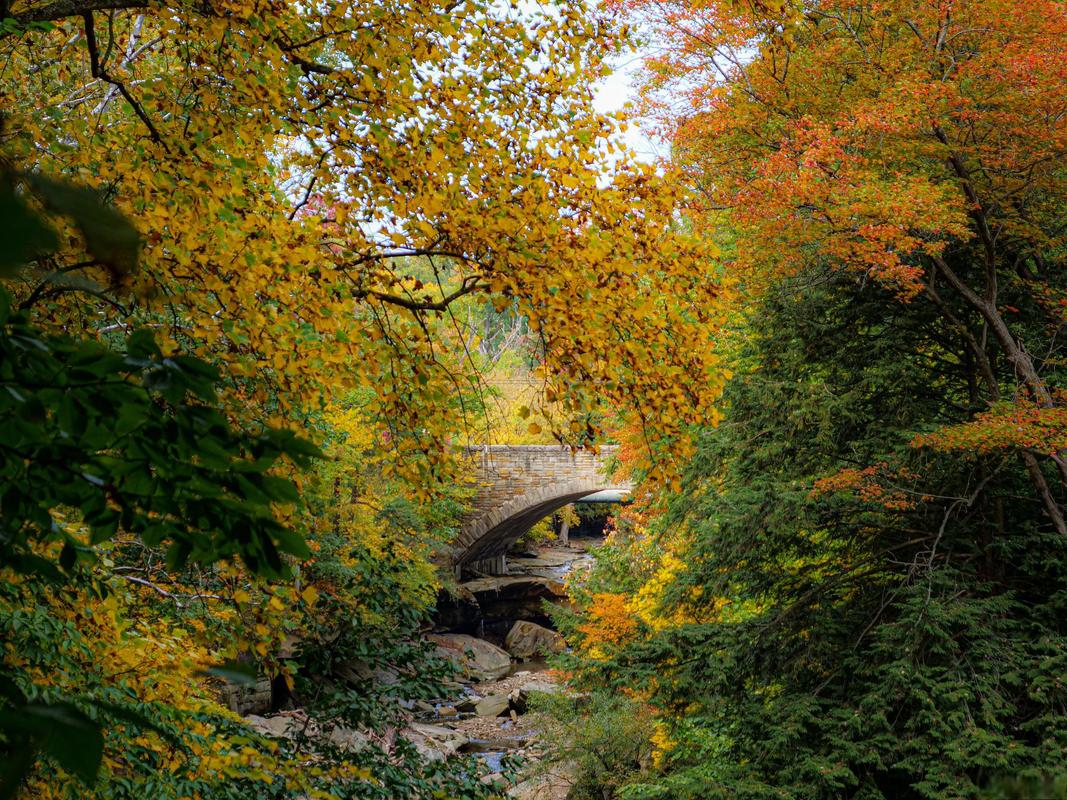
(497, 631)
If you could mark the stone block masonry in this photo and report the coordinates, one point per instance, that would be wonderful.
(519, 485)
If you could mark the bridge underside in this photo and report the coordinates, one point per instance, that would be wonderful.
(484, 541)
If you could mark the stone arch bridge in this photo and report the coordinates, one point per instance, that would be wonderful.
(521, 484)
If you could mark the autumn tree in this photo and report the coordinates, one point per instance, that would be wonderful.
(825, 610)
(138, 529)
(858, 591)
(919, 145)
(316, 185)
(314, 190)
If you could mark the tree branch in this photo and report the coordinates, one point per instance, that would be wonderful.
(60, 9)
(177, 598)
(469, 285)
(977, 213)
(1033, 467)
(99, 72)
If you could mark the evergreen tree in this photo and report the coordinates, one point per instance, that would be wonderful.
(856, 616)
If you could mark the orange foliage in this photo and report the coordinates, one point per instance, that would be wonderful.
(1021, 425)
(610, 621)
(829, 138)
(876, 484)
(918, 145)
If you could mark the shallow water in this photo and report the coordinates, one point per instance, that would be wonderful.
(493, 759)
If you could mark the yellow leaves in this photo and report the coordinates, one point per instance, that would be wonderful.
(271, 219)
(662, 743)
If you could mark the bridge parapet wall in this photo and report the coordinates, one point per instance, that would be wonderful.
(505, 471)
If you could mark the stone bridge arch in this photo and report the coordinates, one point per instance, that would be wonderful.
(521, 484)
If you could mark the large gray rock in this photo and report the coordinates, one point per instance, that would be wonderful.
(520, 697)
(528, 639)
(280, 727)
(358, 673)
(349, 740)
(467, 703)
(480, 660)
(495, 705)
(553, 783)
(248, 699)
(435, 742)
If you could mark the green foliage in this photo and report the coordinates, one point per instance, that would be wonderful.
(1037, 787)
(60, 729)
(133, 443)
(23, 232)
(107, 718)
(896, 633)
(600, 740)
(541, 532)
(134, 440)
(360, 661)
(369, 657)
(109, 238)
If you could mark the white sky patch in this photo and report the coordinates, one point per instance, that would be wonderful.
(615, 93)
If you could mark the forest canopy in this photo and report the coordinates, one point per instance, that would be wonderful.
(859, 590)
(267, 269)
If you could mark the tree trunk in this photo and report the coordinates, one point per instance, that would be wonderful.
(985, 368)
(1015, 353)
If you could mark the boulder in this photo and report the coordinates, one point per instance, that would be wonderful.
(520, 697)
(495, 705)
(280, 727)
(248, 699)
(349, 740)
(467, 704)
(528, 639)
(539, 685)
(554, 783)
(430, 739)
(426, 750)
(481, 660)
(422, 707)
(358, 673)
